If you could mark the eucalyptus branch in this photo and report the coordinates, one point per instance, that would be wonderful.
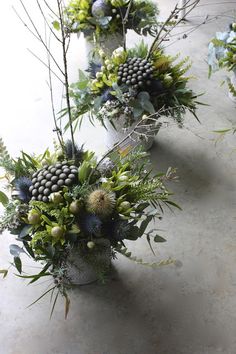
(190, 5)
(64, 50)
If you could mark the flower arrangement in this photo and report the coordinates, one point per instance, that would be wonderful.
(101, 18)
(222, 53)
(134, 83)
(65, 206)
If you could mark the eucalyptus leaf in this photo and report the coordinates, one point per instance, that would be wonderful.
(25, 231)
(15, 250)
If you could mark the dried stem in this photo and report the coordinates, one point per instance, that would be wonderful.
(190, 5)
(124, 21)
(57, 129)
(64, 49)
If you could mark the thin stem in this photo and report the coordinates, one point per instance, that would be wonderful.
(174, 13)
(57, 129)
(64, 49)
(45, 20)
(124, 21)
(38, 36)
(42, 62)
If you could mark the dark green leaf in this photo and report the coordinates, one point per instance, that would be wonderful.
(3, 199)
(15, 250)
(18, 263)
(159, 238)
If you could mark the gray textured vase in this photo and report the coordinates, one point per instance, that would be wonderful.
(80, 272)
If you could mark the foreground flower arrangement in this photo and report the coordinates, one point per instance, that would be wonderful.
(134, 83)
(100, 19)
(68, 207)
(222, 54)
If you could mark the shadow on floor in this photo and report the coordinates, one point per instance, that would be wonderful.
(133, 317)
(197, 173)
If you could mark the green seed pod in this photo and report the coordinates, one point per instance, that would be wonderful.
(75, 207)
(56, 198)
(34, 217)
(90, 244)
(57, 232)
(124, 206)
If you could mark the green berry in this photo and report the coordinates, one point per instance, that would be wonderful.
(75, 207)
(56, 198)
(90, 244)
(34, 217)
(124, 206)
(57, 232)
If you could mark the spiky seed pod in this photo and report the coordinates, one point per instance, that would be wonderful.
(101, 202)
(135, 72)
(106, 167)
(51, 179)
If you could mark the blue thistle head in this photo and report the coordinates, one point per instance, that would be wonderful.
(118, 229)
(22, 185)
(91, 224)
(78, 152)
(106, 95)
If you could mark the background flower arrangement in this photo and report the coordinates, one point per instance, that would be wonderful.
(222, 54)
(102, 18)
(133, 83)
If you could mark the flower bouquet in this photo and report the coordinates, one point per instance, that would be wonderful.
(134, 85)
(104, 22)
(222, 54)
(73, 213)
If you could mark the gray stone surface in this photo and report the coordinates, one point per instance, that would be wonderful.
(188, 308)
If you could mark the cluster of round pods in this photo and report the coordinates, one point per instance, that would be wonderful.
(51, 179)
(135, 72)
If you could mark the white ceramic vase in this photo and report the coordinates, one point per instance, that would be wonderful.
(80, 272)
(233, 82)
(108, 44)
(114, 136)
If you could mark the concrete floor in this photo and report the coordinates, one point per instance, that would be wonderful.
(184, 309)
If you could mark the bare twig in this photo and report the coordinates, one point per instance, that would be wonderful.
(124, 21)
(64, 50)
(190, 5)
(37, 34)
(45, 20)
(42, 62)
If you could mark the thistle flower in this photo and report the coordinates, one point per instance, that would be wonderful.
(117, 229)
(101, 202)
(93, 69)
(22, 185)
(106, 167)
(90, 224)
(78, 152)
(107, 96)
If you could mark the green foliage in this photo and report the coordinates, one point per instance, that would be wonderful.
(142, 18)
